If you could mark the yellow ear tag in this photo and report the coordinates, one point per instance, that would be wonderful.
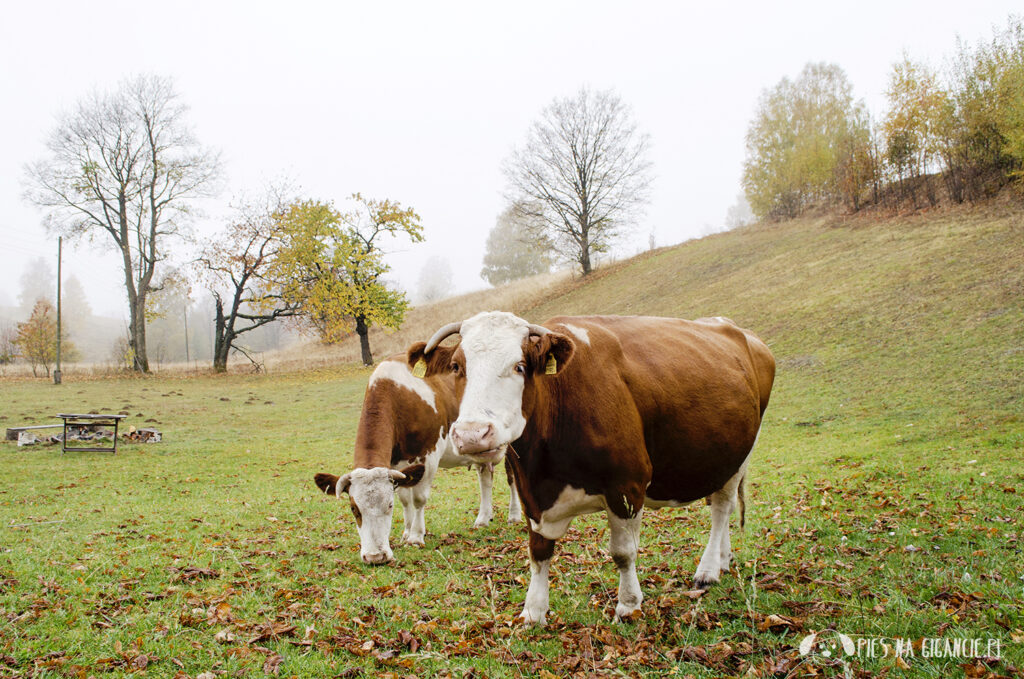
(552, 365)
(420, 369)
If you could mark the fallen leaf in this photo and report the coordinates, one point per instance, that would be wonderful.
(770, 622)
(409, 639)
(272, 664)
(225, 636)
(271, 630)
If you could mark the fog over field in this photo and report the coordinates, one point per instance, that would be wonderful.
(421, 103)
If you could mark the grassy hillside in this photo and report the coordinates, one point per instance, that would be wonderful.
(920, 317)
(884, 498)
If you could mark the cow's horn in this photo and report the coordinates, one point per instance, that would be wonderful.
(395, 475)
(538, 330)
(450, 329)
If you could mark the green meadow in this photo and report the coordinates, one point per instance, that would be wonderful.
(884, 500)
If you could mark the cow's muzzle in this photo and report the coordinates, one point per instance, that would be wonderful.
(378, 559)
(477, 439)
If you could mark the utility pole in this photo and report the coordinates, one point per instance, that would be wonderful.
(186, 331)
(56, 372)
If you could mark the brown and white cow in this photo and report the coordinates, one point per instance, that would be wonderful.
(610, 413)
(401, 440)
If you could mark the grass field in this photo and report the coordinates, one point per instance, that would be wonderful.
(885, 499)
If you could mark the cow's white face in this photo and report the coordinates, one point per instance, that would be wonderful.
(372, 497)
(491, 410)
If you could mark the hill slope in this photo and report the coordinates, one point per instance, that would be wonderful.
(921, 318)
(919, 315)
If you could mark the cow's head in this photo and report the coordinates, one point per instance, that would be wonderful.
(371, 494)
(496, 367)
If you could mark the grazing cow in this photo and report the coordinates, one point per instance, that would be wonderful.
(401, 441)
(610, 413)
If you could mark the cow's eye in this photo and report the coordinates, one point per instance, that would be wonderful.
(521, 368)
(455, 368)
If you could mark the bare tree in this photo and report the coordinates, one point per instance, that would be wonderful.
(739, 213)
(126, 164)
(37, 282)
(240, 264)
(513, 250)
(8, 343)
(583, 172)
(435, 281)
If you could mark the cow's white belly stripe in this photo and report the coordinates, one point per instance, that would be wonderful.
(571, 502)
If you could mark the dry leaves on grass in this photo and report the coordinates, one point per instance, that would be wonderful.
(191, 573)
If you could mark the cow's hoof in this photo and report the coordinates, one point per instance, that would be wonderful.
(512, 520)
(704, 580)
(624, 613)
(413, 541)
(528, 617)
(481, 523)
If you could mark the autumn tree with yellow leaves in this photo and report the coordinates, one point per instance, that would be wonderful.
(333, 266)
(37, 338)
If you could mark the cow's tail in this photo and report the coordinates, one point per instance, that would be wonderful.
(743, 502)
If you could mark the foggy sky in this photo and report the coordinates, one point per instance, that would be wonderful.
(420, 102)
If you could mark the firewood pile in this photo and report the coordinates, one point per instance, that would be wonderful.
(86, 434)
(134, 435)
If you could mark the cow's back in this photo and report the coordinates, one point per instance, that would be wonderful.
(698, 388)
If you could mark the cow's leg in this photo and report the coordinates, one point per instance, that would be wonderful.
(408, 514)
(535, 608)
(718, 552)
(624, 543)
(414, 506)
(725, 547)
(412, 533)
(485, 472)
(515, 510)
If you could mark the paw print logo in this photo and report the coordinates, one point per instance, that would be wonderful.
(829, 643)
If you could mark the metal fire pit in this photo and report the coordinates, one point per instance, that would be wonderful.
(90, 420)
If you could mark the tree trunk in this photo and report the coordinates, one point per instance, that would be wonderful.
(585, 256)
(364, 340)
(221, 342)
(584, 239)
(137, 334)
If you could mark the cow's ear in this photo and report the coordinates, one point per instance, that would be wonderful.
(413, 475)
(428, 365)
(326, 482)
(414, 357)
(331, 484)
(555, 352)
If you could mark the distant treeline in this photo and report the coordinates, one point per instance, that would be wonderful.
(955, 133)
